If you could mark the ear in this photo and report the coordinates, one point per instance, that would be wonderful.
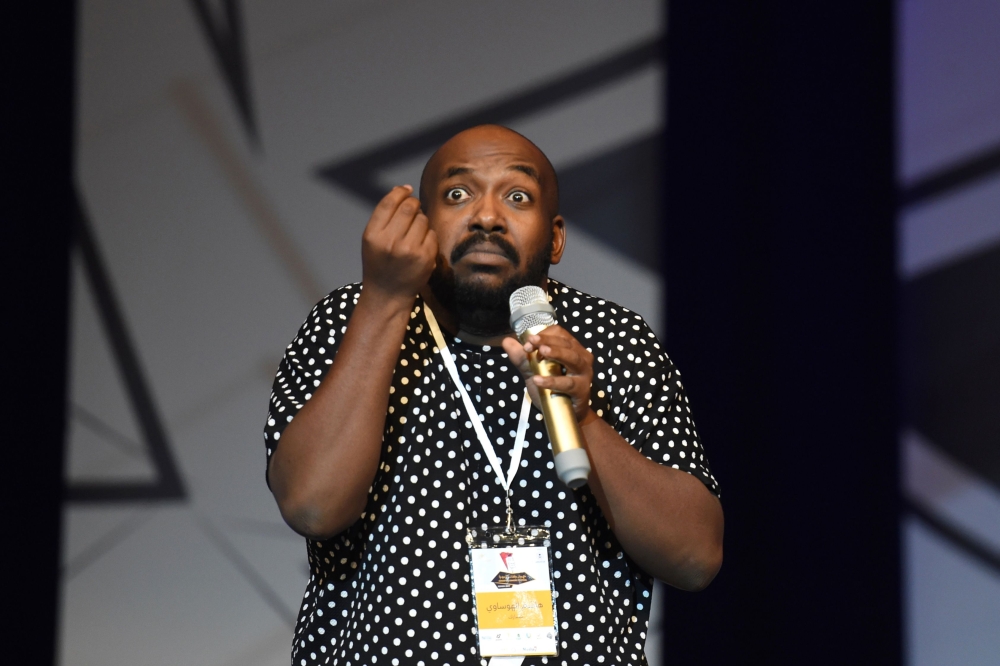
(558, 239)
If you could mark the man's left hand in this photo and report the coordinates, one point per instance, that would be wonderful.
(556, 344)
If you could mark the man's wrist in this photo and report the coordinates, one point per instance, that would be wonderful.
(589, 418)
(390, 304)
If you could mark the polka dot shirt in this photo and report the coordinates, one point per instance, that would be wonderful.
(394, 587)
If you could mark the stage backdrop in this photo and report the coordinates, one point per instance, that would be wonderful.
(228, 155)
(948, 159)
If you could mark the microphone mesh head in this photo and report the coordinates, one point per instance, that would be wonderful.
(527, 296)
(530, 296)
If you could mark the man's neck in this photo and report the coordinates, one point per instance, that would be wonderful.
(449, 323)
(492, 341)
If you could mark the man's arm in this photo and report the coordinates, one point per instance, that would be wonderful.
(328, 455)
(666, 520)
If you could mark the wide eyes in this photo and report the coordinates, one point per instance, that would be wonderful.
(457, 195)
(460, 194)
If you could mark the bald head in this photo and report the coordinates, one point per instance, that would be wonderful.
(490, 140)
(491, 199)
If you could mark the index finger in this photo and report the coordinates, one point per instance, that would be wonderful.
(572, 357)
(553, 333)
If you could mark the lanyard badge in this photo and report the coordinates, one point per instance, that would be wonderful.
(513, 592)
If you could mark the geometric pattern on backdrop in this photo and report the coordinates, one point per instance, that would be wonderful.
(949, 333)
(227, 40)
(166, 484)
(613, 196)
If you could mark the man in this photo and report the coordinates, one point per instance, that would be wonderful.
(372, 457)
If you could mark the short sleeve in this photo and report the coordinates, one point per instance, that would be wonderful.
(648, 404)
(306, 361)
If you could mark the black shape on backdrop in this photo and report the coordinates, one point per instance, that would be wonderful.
(623, 213)
(779, 256)
(227, 40)
(950, 354)
(950, 328)
(964, 540)
(359, 173)
(954, 176)
(36, 119)
(616, 198)
(167, 484)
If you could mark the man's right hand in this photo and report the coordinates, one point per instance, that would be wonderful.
(330, 452)
(398, 248)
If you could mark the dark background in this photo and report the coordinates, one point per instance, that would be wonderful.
(779, 263)
(37, 42)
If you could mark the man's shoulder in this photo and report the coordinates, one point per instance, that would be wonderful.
(342, 300)
(330, 313)
(571, 304)
(347, 293)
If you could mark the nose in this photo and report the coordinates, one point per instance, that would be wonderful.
(488, 217)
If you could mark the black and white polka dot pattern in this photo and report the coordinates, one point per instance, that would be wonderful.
(394, 587)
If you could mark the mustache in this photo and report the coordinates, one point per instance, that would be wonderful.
(481, 237)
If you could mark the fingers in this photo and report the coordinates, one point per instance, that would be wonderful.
(430, 245)
(398, 225)
(568, 384)
(387, 207)
(555, 334)
(421, 240)
(403, 218)
(417, 230)
(398, 248)
(556, 344)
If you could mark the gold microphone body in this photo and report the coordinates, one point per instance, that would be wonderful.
(531, 314)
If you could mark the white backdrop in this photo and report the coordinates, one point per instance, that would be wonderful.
(199, 145)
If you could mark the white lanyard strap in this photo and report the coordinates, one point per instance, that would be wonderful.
(470, 408)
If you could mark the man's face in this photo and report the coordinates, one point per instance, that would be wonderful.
(489, 199)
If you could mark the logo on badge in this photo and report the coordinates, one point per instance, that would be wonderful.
(508, 579)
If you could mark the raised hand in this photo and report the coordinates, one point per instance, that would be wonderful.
(556, 344)
(398, 247)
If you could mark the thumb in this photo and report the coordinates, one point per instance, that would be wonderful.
(519, 357)
(515, 351)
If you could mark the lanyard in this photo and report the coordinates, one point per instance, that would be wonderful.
(477, 424)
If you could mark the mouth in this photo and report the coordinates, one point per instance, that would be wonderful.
(485, 254)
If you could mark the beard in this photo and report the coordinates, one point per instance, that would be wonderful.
(483, 310)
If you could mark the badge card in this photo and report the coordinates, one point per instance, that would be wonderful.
(514, 600)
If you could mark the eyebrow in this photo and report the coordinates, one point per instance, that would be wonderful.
(523, 168)
(526, 169)
(456, 170)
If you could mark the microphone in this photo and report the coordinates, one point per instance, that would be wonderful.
(530, 313)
